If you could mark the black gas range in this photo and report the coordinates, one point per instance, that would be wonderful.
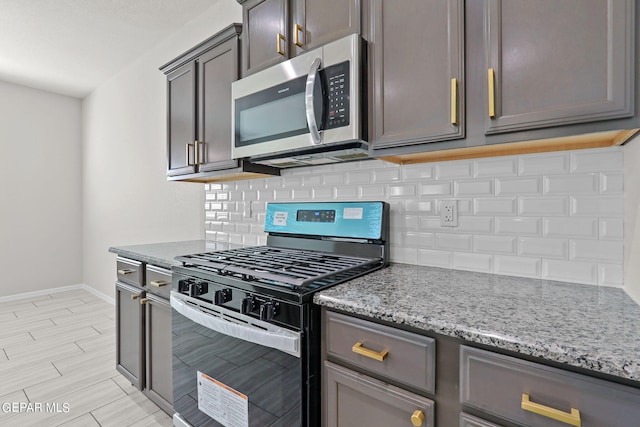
(246, 336)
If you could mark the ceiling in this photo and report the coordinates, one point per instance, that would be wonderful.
(71, 46)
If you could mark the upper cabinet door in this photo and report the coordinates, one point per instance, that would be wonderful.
(556, 62)
(264, 39)
(181, 119)
(317, 22)
(217, 69)
(417, 71)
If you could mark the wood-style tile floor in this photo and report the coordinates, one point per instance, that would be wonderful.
(57, 366)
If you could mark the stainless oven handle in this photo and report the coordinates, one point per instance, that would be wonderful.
(278, 338)
(308, 100)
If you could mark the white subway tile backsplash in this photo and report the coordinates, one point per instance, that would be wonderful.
(478, 187)
(433, 258)
(542, 164)
(473, 262)
(495, 244)
(499, 166)
(570, 271)
(454, 242)
(596, 160)
(495, 206)
(553, 215)
(611, 229)
(517, 266)
(570, 227)
(543, 206)
(571, 184)
(454, 169)
(597, 251)
(519, 226)
(611, 183)
(523, 186)
(543, 247)
(597, 205)
(610, 275)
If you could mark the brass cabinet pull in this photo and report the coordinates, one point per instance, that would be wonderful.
(491, 87)
(417, 418)
(280, 38)
(126, 271)
(297, 29)
(159, 283)
(187, 154)
(144, 301)
(379, 356)
(134, 297)
(571, 418)
(200, 152)
(454, 101)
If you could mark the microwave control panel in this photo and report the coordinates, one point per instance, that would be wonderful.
(338, 85)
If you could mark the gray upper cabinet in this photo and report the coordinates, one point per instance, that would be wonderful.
(276, 30)
(553, 62)
(181, 116)
(417, 71)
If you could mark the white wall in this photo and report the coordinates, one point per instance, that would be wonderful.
(127, 199)
(40, 190)
(632, 219)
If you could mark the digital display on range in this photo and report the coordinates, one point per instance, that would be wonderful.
(316, 216)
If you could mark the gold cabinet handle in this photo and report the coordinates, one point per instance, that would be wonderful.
(126, 271)
(144, 301)
(200, 153)
(158, 283)
(491, 88)
(417, 418)
(297, 29)
(454, 101)
(379, 356)
(279, 39)
(187, 154)
(134, 297)
(571, 418)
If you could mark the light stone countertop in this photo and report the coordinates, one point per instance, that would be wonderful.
(162, 254)
(592, 327)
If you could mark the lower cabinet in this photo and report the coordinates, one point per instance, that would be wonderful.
(143, 333)
(354, 399)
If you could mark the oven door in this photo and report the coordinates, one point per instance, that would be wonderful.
(231, 370)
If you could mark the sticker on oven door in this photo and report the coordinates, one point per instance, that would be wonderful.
(280, 218)
(227, 406)
(352, 213)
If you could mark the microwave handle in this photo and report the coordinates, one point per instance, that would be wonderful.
(308, 99)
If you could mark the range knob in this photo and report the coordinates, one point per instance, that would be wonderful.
(199, 288)
(248, 305)
(222, 296)
(183, 286)
(267, 310)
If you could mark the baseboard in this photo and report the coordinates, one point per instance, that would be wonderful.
(16, 297)
(635, 298)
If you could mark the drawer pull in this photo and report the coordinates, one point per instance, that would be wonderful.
(417, 418)
(126, 271)
(572, 418)
(134, 297)
(158, 283)
(143, 301)
(379, 356)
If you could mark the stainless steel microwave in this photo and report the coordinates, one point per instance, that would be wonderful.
(310, 109)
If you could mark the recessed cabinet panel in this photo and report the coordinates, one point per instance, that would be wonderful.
(129, 338)
(530, 394)
(315, 22)
(354, 399)
(556, 62)
(417, 71)
(159, 378)
(263, 21)
(218, 68)
(181, 118)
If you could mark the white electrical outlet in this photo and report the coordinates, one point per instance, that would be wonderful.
(449, 213)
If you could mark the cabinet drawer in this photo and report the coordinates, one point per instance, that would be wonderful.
(158, 281)
(500, 385)
(354, 399)
(467, 420)
(388, 352)
(130, 271)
